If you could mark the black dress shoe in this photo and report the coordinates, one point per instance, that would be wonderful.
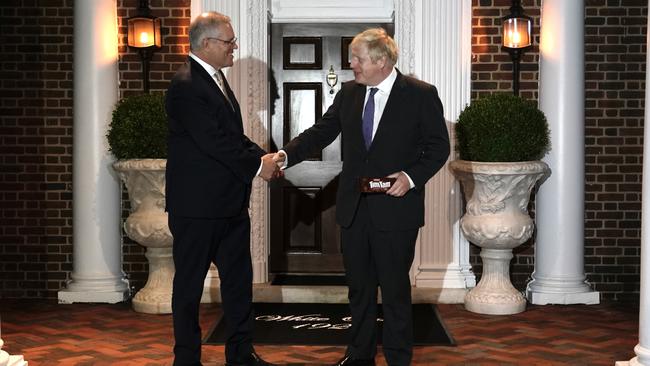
(254, 360)
(347, 360)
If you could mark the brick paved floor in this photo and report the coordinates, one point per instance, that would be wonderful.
(47, 333)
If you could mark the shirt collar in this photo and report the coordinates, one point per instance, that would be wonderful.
(211, 70)
(387, 84)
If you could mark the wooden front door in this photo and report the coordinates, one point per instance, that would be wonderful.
(309, 62)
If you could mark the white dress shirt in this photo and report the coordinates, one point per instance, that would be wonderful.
(381, 97)
(209, 69)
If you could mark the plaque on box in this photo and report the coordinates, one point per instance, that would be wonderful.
(376, 185)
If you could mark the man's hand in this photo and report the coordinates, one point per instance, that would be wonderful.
(279, 158)
(401, 185)
(270, 169)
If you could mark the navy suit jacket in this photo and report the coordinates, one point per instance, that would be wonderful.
(210, 162)
(411, 137)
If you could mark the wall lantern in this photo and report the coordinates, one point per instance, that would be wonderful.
(516, 38)
(144, 35)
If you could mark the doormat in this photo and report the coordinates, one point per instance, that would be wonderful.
(327, 325)
(308, 280)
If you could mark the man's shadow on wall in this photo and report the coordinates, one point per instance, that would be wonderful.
(253, 114)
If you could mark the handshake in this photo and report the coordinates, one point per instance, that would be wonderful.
(271, 164)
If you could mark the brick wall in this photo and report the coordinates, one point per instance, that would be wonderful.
(615, 54)
(35, 146)
(36, 51)
(36, 133)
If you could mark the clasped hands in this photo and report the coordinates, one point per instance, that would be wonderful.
(271, 164)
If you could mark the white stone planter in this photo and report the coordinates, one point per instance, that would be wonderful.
(497, 220)
(147, 225)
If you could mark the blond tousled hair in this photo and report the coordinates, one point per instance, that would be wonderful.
(379, 44)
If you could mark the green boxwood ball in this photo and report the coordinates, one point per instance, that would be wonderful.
(502, 128)
(138, 129)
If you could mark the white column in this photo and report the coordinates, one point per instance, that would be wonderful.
(642, 350)
(559, 276)
(97, 274)
(435, 46)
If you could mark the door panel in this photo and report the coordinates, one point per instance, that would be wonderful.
(303, 105)
(304, 234)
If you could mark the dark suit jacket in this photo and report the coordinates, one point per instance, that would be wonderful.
(210, 162)
(412, 137)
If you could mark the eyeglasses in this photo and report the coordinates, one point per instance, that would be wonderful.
(231, 42)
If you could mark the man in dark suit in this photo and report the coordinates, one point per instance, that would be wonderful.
(210, 168)
(391, 126)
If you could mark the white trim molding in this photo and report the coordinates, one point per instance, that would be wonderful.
(331, 11)
(97, 274)
(434, 37)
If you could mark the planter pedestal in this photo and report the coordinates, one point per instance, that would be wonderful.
(147, 225)
(156, 296)
(497, 220)
(494, 293)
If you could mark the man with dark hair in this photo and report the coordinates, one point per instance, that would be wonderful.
(210, 168)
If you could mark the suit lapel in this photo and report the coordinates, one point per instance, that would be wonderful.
(357, 113)
(233, 109)
(197, 69)
(231, 102)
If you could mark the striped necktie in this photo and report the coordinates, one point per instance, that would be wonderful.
(222, 86)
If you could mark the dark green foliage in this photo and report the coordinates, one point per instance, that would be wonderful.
(502, 128)
(138, 129)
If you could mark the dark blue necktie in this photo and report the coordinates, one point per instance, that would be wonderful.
(369, 117)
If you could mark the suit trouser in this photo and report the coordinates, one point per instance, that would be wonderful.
(379, 258)
(226, 243)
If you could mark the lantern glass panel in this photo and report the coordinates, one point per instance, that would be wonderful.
(142, 32)
(516, 32)
(156, 28)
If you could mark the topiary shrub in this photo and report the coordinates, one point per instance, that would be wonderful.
(502, 128)
(138, 129)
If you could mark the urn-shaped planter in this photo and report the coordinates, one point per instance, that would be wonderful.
(147, 225)
(497, 220)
